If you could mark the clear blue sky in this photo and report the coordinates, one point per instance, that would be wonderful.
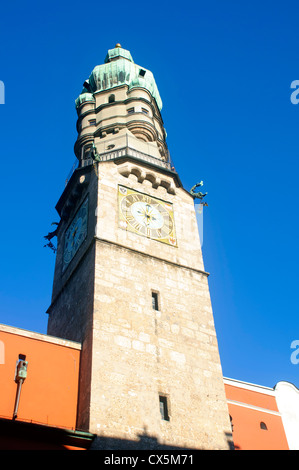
(224, 71)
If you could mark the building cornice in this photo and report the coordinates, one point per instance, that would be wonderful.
(118, 245)
(253, 407)
(48, 435)
(39, 336)
(147, 255)
(249, 386)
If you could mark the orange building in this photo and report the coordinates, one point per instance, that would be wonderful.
(256, 420)
(45, 414)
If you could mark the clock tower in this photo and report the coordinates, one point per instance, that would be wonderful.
(129, 281)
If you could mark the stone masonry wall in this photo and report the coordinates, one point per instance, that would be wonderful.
(139, 353)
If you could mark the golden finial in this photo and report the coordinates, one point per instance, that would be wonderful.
(117, 45)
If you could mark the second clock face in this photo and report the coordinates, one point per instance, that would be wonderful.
(147, 216)
(75, 234)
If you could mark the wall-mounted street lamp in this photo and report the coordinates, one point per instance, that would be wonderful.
(20, 376)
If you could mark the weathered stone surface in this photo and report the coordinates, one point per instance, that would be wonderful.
(132, 353)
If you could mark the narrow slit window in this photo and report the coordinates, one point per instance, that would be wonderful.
(164, 408)
(145, 111)
(142, 72)
(155, 303)
(130, 110)
(92, 122)
(263, 426)
(111, 99)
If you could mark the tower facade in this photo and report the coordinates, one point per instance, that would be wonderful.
(129, 281)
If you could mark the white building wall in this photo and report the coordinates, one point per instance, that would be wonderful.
(287, 399)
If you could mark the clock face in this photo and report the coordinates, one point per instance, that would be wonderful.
(146, 215)
(75, 234)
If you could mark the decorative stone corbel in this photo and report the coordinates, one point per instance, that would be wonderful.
(141, 175)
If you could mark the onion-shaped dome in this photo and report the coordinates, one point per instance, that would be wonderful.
(120, 69)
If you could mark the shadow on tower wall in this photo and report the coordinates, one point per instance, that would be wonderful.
(146, 442)
(20, 435)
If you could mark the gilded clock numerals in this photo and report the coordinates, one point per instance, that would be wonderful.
(137, 225)
(129, 217)
(146, 216)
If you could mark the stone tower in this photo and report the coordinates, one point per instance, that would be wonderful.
(129, 281)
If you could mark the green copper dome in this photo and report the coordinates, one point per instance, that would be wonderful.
(119, 69)
(117, 52)
(84, 97)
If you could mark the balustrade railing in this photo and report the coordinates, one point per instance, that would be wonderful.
(123, 152)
